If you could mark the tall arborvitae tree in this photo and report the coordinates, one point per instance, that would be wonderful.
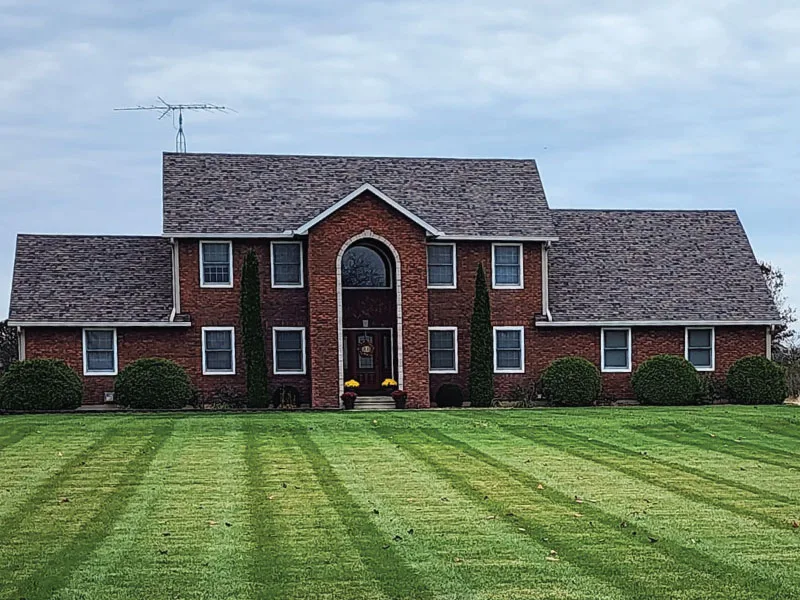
(481, 367)
(255, 356)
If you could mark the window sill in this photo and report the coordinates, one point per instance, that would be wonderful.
(442, 287)
(100, 373)
(626, 370)
(704, 369)
(278, 373)
(509, 371)
(286, 286)
(217, 373)
(508, 287)
(219, 286)
(448, 372)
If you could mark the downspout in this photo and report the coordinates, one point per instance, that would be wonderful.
(20, 343)
(546, 281)
(176, 280)
(770, 328)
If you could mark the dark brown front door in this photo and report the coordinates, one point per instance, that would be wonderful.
(368, 358)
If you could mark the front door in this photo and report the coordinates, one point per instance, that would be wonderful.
(368, 358)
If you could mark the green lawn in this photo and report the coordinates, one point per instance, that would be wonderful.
(584, 503)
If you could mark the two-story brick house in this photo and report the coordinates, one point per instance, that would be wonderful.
(368, 271)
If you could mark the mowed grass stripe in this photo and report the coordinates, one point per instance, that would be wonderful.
(686, 435)
(395, 577)
(701, 488)
(673, 569)
(461, 549)
(13, 434)
(301, 548)
(172, 540)
(53, 569)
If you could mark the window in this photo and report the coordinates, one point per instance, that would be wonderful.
(289, 350)
(509, 349)
(442, 266)
(615, 350)
(443, 348)
(507, 266)
(219, 352)
(99, 351)
(364, 267)
(287, 264)
(216, 264)
(700, 347)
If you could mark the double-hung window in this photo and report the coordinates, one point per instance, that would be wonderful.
(99, 351)
(443, 349)
(287, 264)
(615, 350)
(700, 347)
(507, 266)
(216, 264)
(289, 350)
(219, 351)
(509, 349)
(442, 266)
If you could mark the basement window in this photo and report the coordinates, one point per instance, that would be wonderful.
(615, 350)
(289, 350)
(99, 351)
(700, 347)
(219, 352)
(216, 264)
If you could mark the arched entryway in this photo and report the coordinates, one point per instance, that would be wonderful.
(369, 326)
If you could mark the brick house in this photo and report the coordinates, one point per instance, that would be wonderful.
(368, 271)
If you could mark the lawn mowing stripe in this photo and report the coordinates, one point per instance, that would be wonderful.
(395, 577)
(14, 436)
(668, 483)
(587, 557)
(748, 451)
(269, 561)
(57, 569)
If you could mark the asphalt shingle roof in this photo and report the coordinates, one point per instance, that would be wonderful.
(617, 265)
(91, 278)
(220, 194)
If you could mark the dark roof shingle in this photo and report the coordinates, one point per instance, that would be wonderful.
(618, 265)
(223, 194)
(62, 278)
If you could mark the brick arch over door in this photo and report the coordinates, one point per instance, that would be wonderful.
(396, 280)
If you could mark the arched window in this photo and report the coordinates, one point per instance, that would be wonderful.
(364, 266)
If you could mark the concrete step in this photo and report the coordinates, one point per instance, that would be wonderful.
(374, 403)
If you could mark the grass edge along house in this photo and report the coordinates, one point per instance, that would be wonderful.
(367, 271)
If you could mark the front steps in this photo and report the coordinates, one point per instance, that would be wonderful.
(374, 403)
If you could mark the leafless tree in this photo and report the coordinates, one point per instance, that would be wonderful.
(8, 345)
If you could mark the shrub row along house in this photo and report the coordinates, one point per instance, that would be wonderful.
(368, 270)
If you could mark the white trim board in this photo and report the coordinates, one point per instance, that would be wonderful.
(624, 324)
(303, 229)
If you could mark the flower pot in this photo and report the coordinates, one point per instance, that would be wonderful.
(400, 403)
(349, 403)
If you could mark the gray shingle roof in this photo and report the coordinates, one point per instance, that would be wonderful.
(219, 194)
(616, 265)
(91, 278)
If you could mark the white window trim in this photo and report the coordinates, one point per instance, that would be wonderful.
(455, 351)
(713, 347)
(272, 265)
(519, 328)
(435, 286)
(302, 331)
(232, 371)
(230, 264)
(86, 370)
(603, 367)
(501, 286)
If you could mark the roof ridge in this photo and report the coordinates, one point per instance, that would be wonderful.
(91, 235)
(647, 210)
(354, 156)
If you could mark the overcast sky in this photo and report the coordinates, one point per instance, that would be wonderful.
(627, 104)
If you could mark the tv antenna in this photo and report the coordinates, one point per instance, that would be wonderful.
(177, 109)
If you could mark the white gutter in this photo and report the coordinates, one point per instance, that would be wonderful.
(676, 323)
(99, 324)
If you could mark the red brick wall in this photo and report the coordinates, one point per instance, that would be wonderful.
(324, 243)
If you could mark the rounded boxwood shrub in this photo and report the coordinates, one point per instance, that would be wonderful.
(40, 384)
(571, 381)
(153, 383)
(667, 380)
(757, 380)
(449, 394)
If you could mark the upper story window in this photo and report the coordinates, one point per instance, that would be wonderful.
(216, 264)
(509, 349)
(507, 266)
(700, 347)
(287, 264)
(289, 350)
(364, 266)
(442, 266)
(615, 350)
(443, 349)
(99, 351)
(219, 351)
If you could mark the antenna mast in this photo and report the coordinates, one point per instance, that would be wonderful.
(172, 109)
